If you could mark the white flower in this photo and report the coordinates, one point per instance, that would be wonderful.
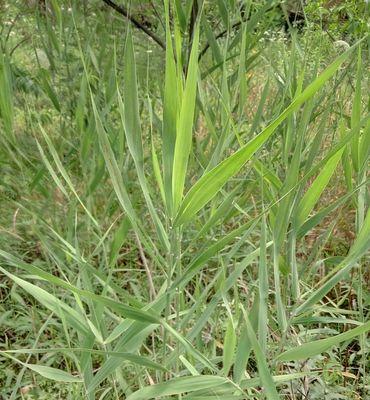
(342, 44)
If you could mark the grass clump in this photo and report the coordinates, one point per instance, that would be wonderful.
(185, 203)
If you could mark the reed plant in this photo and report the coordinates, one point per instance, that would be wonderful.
(187, 223)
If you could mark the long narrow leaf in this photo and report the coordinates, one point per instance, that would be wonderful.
(210, 183)
(185, 125)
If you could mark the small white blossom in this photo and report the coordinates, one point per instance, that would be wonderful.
(342, 44)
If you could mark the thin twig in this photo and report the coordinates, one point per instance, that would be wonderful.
(11, 26)
(123, 11)
(220, 35)
(19, 44)
(152, 291)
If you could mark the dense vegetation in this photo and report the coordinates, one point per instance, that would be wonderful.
(184, 199)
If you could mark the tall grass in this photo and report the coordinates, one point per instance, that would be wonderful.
(172, 222)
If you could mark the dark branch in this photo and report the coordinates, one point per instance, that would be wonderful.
(220, 35)
(122, 10)
(19, 44)
(236, 25)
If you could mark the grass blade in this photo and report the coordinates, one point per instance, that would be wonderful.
(210, 183)
(178, 386)
(265, 375)
(185, 125)
(313, 194)
(170, 109)
(53, 374)
(312, 349)
(358, 249)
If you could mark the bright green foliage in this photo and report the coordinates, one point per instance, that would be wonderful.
(184, 201)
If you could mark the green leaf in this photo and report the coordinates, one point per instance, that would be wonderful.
(356, 114)
(131, 357)
(129, 109)
(53, 373)
(73, 318)
(211, 182)
(185, 124)
(189, 347)
(196, 264)
(47, 372)
(176, 386)
(131, 103)
(118, 239)
(229, 347)
(313, 194)
(170, 105)
(312, 349)
(135, 334)
(278, 379)
(320, 215)
(51, 170)
(242, 355)
(244, 347)
(48, 89)
(6, 94)
(263, 285)
(358, 249)
(264, 373)
(64, 172)
(122, 309)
